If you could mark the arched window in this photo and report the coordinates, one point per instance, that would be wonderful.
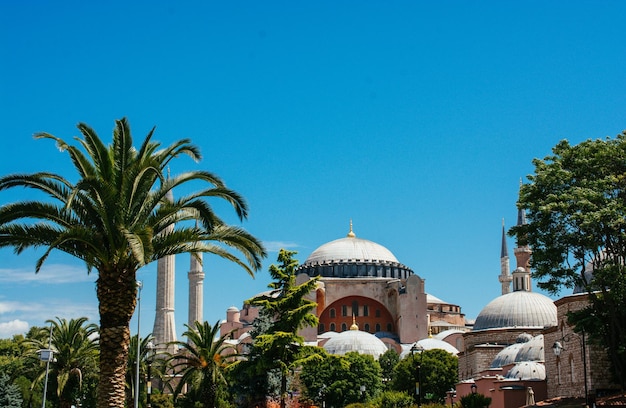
(344, 327)
(332, 313)
(355, 308)
(366, 310)
(332, 327)
(344, 310)
(377, 327)
(367, 327)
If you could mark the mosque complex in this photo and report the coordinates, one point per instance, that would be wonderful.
(369, 302)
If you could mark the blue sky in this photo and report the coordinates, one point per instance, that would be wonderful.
(414, 119)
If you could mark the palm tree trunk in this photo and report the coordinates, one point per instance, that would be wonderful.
(117, 300)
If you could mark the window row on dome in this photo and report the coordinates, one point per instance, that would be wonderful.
(345, 270)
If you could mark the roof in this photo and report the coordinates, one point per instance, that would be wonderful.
(350, 248)
(517, 309)
(355, 340)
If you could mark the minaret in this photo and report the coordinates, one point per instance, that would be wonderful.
(196, 278)
(505, 277)
(164, 330)
(521, 275)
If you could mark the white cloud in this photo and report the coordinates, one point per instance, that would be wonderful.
(275, 246)
(51, 274)
(8, 329)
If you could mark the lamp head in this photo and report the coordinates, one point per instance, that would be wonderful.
(557, 347)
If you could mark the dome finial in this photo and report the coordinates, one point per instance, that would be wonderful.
(351, 234)
(354, 325)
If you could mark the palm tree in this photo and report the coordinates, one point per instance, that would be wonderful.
(201, 362)
(115, 218)
(75, 347)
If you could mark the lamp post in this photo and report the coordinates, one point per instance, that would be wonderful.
(46, 355)
(150, 346)
(474, 389)
(417, 348)
(558, 347)
(139, 286)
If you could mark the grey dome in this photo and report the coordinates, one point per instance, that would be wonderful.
(430, 344)
(355, 340)
(353, 257)
(350, 248)
(527, 371)
(517, 309)
(506, 356)
(532, 350)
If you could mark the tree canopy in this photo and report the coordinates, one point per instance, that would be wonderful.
(575, 205)
(118, 216)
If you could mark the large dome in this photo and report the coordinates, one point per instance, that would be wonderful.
(352, 257)
(351, 248)
(517, 309)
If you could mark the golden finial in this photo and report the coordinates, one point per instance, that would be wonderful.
(354, 325)
(351, 234)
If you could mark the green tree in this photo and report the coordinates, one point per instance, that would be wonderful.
(576, 211)
(388, 361)
(10, 396)
(438, 372)
(75, 346)
(289, 310)
(341, 380)
(202, 362)
(117, 218)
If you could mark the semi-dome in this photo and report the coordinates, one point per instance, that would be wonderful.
(527, 371)
(355, 340)
(351, 257)
(517, 309)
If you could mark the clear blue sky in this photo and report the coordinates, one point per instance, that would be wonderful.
(414, 119)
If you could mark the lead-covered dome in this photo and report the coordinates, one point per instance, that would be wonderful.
(355, 340)
(520, 309)
(354, 257)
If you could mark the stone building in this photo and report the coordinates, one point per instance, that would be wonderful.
(361, 282)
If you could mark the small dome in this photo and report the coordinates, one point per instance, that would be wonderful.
(232, 309)
(431, 344)
(355, 340)
(350, 248)
(517, 309)
(527, 371)
(532, 350)
(506, 356)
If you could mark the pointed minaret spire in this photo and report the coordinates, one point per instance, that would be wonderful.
(505, 277)
(351, 234)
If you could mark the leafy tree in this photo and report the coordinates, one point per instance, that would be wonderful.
(10, 396)
(438, 372)
(289, 310)
(576, 208)
(475, 401)
(75, 347)
(394, 399)
(388, 361)
(201, 363)
(117, 218)
(340, 380)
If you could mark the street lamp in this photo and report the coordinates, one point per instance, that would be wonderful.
(474, 388)
(46, 355)
(417, 348)
(557, 347)
(150, 347)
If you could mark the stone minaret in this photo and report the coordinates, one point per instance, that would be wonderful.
(521, 275)
(164, 330)
(505, 277)
(196, 278)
